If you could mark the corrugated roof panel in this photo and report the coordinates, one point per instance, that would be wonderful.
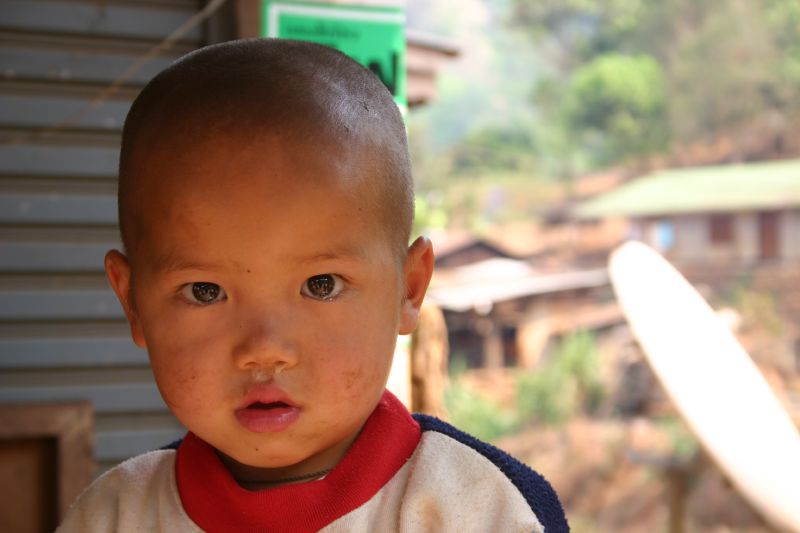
(67, 352)
(59, 304)
(754, 186)
(115, 398)
(64, 65)
(40, 257)
(63, 335)
(38, 112)
(66, 161)
(107, 18)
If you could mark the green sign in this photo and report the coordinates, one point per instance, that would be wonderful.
(373, 36)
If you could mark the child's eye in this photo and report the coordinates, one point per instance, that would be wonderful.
(203, 293)
(323, 287)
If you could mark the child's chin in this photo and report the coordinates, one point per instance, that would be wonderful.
(268, 420)
(264, 459)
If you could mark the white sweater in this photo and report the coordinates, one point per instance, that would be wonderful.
(396, 477)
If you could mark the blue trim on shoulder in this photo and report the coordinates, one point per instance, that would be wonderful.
(172, 445)
(534, 488)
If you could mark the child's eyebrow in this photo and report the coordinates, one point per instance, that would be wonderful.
(339, 254)
(172, 263)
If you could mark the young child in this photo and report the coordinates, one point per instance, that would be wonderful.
(265, 203)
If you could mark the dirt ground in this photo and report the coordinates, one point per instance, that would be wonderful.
(624, 477)
(641, 471)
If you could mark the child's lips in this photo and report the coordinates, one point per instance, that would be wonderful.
(267, 409)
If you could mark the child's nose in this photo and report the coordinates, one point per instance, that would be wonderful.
(264, 346)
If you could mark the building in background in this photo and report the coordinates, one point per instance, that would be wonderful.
(504, 311)
(727, 228)
(728, 217)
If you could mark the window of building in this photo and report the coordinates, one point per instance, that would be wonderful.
(664, 235)
(721, 229)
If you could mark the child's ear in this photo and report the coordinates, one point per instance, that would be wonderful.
(417, 273)
(118, 272)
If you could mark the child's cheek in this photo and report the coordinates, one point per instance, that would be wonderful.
(352, 378)
(183, 365)
(358, 365)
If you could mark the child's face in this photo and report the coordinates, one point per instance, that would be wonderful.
(266, 297)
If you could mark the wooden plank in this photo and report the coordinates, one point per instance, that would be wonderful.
(58, 65)
(120, 445)
(53, 257)
(88, 162)
(59, 304)
(28, 474)
(64, 352)
(117, 398)
(96, 18)
(72, 426)
(58, 209)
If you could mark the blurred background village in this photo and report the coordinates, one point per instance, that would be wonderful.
(543, 135)
(562, 129)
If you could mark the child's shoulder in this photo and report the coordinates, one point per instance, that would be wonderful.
(468, 468)
(136, 491)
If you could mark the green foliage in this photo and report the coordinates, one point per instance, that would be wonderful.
(783, 22)
(476, 201)
(684, 443)
(428, 215)
(568, 384)
(758, 310)
(545, 397)
(581, 27)
(495, 149)
(476, 414)
(725, 73)
(622, 98)
(579, 357)
(728, 67)
(566, 86)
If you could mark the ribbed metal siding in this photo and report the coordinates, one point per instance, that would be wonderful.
(62, 332)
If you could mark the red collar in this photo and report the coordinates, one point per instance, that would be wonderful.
(214, 501)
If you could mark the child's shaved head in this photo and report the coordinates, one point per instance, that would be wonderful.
(303, 93)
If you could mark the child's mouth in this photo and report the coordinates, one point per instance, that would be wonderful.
(267, 417)
(271, 405)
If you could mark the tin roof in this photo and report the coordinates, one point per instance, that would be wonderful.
(740, 187)
(481, 285)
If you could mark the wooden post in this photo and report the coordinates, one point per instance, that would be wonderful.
(429, 359)
(533, 333)
(677, 484)
(492, 341)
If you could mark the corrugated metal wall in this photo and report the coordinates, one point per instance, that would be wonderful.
(62, 332)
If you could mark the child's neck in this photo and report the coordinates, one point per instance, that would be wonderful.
(257, 478)
(312, 468)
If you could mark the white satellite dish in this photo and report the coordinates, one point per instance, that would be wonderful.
(712, 381)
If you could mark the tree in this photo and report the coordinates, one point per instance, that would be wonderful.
(495, 148)
(619, 102)
(730, 69)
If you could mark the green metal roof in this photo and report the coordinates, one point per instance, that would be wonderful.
(741, 187)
